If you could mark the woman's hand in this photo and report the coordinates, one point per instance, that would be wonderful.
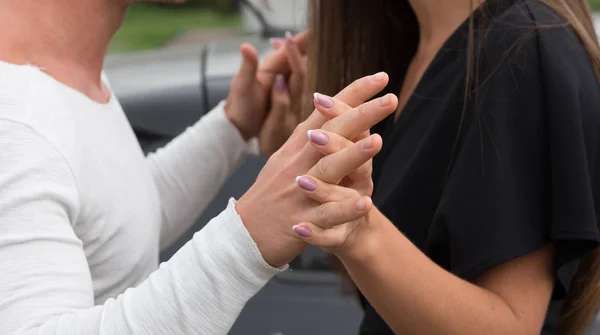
(326, 143)
(273, 206)
(287, 96)
(334, 238)
(326, 230)
(331, 235)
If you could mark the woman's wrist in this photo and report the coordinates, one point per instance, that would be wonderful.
(365, 244)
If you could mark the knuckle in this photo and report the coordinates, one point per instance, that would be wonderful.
(353, 154)
(299, 128)
(365, 171)
(338, 145)
(363, 113)
(326, 193)
(321, 215)
(322, 167)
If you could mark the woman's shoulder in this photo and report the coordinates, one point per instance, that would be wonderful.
(536, 45)
(532, 26)
(521, 16)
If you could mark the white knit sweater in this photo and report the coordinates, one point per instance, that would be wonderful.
(83, 216)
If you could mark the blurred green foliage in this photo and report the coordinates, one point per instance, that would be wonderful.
(595, 4)
(149, 26)
(216, 5)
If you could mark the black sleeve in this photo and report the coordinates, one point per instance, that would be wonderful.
(525, 172)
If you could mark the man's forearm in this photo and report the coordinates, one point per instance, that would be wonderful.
(191, 169)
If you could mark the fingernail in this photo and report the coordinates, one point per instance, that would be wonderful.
(378, 76)
(280, 84)
(306, 184)
(302, 231)
(367, 143)
(276, 42)
(318, 137)
(323, 100)
(289, 37)
(362, 204)
(383, 101)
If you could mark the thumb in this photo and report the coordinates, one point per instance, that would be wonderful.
(247, 73)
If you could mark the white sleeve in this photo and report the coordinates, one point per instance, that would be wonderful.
(190, 170)
(45, 282)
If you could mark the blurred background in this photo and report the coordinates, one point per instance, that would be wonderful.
(150, 26)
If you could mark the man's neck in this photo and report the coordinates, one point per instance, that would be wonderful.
(66, 39)
(438, 19)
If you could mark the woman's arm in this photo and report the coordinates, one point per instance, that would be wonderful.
(412, 293)
(416, 296)
(46, 286)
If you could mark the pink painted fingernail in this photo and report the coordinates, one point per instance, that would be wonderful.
(280, 84)
(289, 37)
(378, 76)
(276, 42)
(306, 184)
(318, 137)
(323, 100)
(302, 231)
(367, 143)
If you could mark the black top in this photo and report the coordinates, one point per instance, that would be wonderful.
(516, 169)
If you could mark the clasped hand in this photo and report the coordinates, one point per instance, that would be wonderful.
(265, 100)
(315, 187)
(317, 191)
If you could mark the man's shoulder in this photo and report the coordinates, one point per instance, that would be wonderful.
(29, 100)
(16, 86)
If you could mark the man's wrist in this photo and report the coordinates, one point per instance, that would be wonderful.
(244, 133)
(276, 248)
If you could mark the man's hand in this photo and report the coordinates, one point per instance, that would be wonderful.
(248, 101)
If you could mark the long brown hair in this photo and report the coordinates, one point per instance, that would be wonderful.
(354, 38)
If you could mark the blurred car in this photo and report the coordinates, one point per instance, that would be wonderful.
(280, 13)
(165, 91)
